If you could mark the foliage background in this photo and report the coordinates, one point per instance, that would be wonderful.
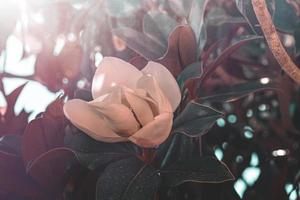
(55, 45)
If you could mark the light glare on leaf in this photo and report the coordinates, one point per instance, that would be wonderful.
(240, 187)
(265, 80)
(280, 152)
(60, 43)
(98, 58)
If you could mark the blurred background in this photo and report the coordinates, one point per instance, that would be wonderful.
(54, 46)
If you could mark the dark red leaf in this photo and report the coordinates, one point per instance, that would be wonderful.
(14, 179)
(139, 62)
(11, 144)
(41, 135)
(46, 70)
(45, 132)
(9, 122)
(51, 70)
(225, 54)
(187, 46)
(70, 60)
(55, 109)
(50, 169)
(207, 53)
(181, 51)
(11, 101)
(15, 125)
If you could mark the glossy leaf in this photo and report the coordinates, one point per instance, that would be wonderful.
(192, 71)
(128, 179)
(50, 169)
(83, 94)
(196, 20)
(158, 26)
(14, 179)
(86, 187)
(142, 44)
(10, 123)
(181, 8)
(96, 161)
(177, 147)
(209, 70)
(285, 17)
(41, 135)
(55, 109)
(12, 99)
(44, 133)
(11, 144)
(182, 50)
(47, 70)
(196, 169)
(120, 8)
(95, 154)
(246, 9)
(297, 38)
(195, 119)
(51, 69)
(186, 45)
(139, 62)
(238, 91)
(81, 142)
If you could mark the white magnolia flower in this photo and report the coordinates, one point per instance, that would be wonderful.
(128, 105)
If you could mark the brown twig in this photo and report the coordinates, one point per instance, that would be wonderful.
(265, 20)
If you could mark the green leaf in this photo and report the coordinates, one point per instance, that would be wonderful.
(196, 169)
(96, 161)
(177, 147)
(140, 43)
(180, 7)
(128, 179)
(238, 91)
(94, 154)
(297, 37)
(121, 8)
(285, 17)
(196, 20)
(246, 9)
(226, 54)
(196, 119)
(192, 71)
(81, 142)
(218, 16)
(158, 26)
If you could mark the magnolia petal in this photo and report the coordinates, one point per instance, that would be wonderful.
(143, 94)
(112, 72)
(166, 82)
(149, 84)
(115, 97)
(155, 132)
(118, 117)
(88, 119)
(140, 107)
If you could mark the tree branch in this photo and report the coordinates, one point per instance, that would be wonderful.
(265, 20)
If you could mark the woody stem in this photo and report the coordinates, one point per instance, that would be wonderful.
(265, 20)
